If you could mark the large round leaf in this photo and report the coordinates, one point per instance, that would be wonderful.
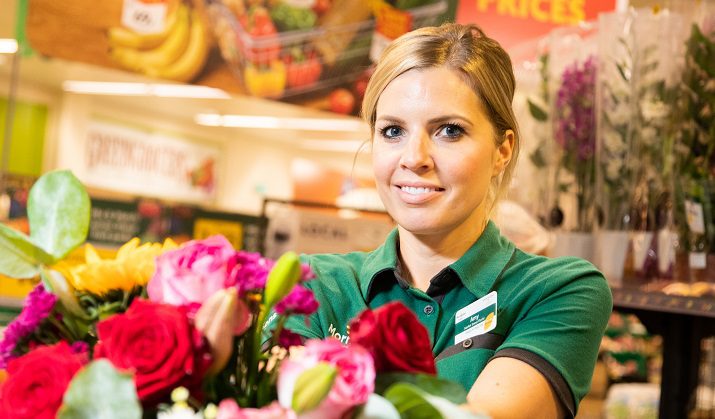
(58, 209)
(19, 257)
(100, 391)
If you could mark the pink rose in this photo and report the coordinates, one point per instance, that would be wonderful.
(229, 409)
(353, 385)
(192, 273)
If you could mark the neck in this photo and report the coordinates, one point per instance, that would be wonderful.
(423, 256)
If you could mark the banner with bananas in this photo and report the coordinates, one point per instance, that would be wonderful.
(311, 52)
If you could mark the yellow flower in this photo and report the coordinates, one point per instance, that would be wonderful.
(133, 266)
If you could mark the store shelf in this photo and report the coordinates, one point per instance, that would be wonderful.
(657, 301)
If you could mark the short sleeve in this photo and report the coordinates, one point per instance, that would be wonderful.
(564, 328)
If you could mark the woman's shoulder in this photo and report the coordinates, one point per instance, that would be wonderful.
(336, 260)
(335, 266)
(559, 272)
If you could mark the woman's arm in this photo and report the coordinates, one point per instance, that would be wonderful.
(510, 388)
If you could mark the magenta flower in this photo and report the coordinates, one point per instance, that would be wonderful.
(80, 347)
(38, 305)
(575, 132)
(250, 273)
(575, 110)
(299, 301)
(287, 339)
(252, 270)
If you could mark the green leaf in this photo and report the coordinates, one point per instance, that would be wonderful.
(377, 407)
(413, 403)
(425, 382)
(19, 256)
(410, 402)
(58, 210)
(624, 71)
(536, 111)
(100, 391)
(451, 410)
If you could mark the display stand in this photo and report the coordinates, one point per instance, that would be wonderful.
(683, 322)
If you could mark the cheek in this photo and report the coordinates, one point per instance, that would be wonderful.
(383, 167)
(474, 175)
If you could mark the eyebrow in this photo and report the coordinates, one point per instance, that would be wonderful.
(445, 118)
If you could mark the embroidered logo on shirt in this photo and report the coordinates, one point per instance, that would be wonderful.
(344, 338)
(477, 318)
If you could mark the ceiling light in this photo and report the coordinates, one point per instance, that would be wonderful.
(307, 124)
(8, 46)
(143, 89)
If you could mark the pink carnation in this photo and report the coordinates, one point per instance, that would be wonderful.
(251, 272)
(352, 387)
(192, 273)
(287, 338)
(299, 301)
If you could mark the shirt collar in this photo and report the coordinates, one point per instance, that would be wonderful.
(379, 260)
(484, 262)
(478, 268)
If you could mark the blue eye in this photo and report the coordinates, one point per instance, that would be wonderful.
(451, 131)
(391, 131)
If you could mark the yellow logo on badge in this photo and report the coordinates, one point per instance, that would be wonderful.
(488, 321)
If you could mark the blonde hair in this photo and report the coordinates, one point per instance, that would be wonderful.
(481, 62)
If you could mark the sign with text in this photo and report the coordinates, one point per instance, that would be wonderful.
(310, 231)
(512, 22)
(145, 162)
(244, 232)
(113, 223)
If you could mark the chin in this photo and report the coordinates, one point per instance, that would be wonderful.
(422, 227)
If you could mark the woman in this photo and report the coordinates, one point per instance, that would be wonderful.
(444, 144)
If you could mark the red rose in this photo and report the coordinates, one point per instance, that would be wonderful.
(395, 338)
(158, 344)
(37, 381)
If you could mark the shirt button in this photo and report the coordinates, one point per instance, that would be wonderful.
(428, 310)
(467, 343)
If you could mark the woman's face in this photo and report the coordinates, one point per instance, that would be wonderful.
(434, 152)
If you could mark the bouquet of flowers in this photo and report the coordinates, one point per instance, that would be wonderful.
(176, 331)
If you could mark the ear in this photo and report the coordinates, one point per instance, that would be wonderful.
(503, 153)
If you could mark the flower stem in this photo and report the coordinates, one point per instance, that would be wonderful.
(64, 330)
(254, 352)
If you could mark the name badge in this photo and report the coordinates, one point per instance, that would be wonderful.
(477, 318)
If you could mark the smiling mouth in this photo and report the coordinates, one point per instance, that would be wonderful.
(412, 190)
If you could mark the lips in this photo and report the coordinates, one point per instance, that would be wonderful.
(417, 190)
(418, 193)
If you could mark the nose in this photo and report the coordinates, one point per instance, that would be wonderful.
(417, 156)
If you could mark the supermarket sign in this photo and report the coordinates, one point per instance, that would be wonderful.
(512, 22)
(140, 161)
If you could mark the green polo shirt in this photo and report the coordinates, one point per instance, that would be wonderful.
(550, 313)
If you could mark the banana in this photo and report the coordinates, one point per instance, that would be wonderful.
(193, 60)
(169, 51)
(120, 36)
